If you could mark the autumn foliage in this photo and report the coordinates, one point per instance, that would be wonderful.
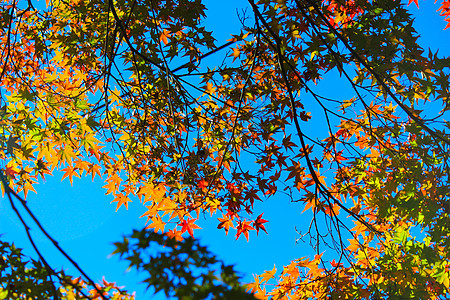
(141, 94)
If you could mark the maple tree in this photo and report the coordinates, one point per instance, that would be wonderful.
(140, 93)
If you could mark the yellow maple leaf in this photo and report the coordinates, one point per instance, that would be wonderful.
(210, 89)
(267, 275)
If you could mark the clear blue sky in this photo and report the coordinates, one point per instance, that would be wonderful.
(84, 222)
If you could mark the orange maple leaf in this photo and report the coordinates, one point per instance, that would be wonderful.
(255, 289)
(209, 88)
(94, 169)
(332, 210)
(112, 184)
(28, 186)
(164, 35)
(152, 192)
(70, 171)
(175, 234)
(243, 228)
(81, 165)
(121, 200)
(157, 224)
(226, 223)
(152, 210)
(236, 53)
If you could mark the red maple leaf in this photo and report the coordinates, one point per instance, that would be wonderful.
(189, 226)
(415, 1)
(258, 224)
(203, 185)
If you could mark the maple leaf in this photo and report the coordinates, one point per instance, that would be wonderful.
(151, 212)
(354, 245)
(332, 210)
(209, 88)
(28, 186)
(243, 227)
(121, 200)
(236, 53)
(175, 234)
(305, 116)
(311, 202)
(225, 223)
(41, 168)
(93, 170)
(152, 192)
(203, 185)
(70, 171)
(11, 144)
(258, 224)
(66, 154)
(10, 172)
(167, 206)
(157, 224)
(296, 170)
(287, 143)
(81, 165)
(189, 226)
(255, 289)
(164, 35)
(91, 144)
(267, 275)
(444, 10)
(112, 184)
(335, 264)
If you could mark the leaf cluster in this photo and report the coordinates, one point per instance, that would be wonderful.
(181, 269)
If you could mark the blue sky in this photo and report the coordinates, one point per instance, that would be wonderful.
(82, 220)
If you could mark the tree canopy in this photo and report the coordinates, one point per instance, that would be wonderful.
(141, 94)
